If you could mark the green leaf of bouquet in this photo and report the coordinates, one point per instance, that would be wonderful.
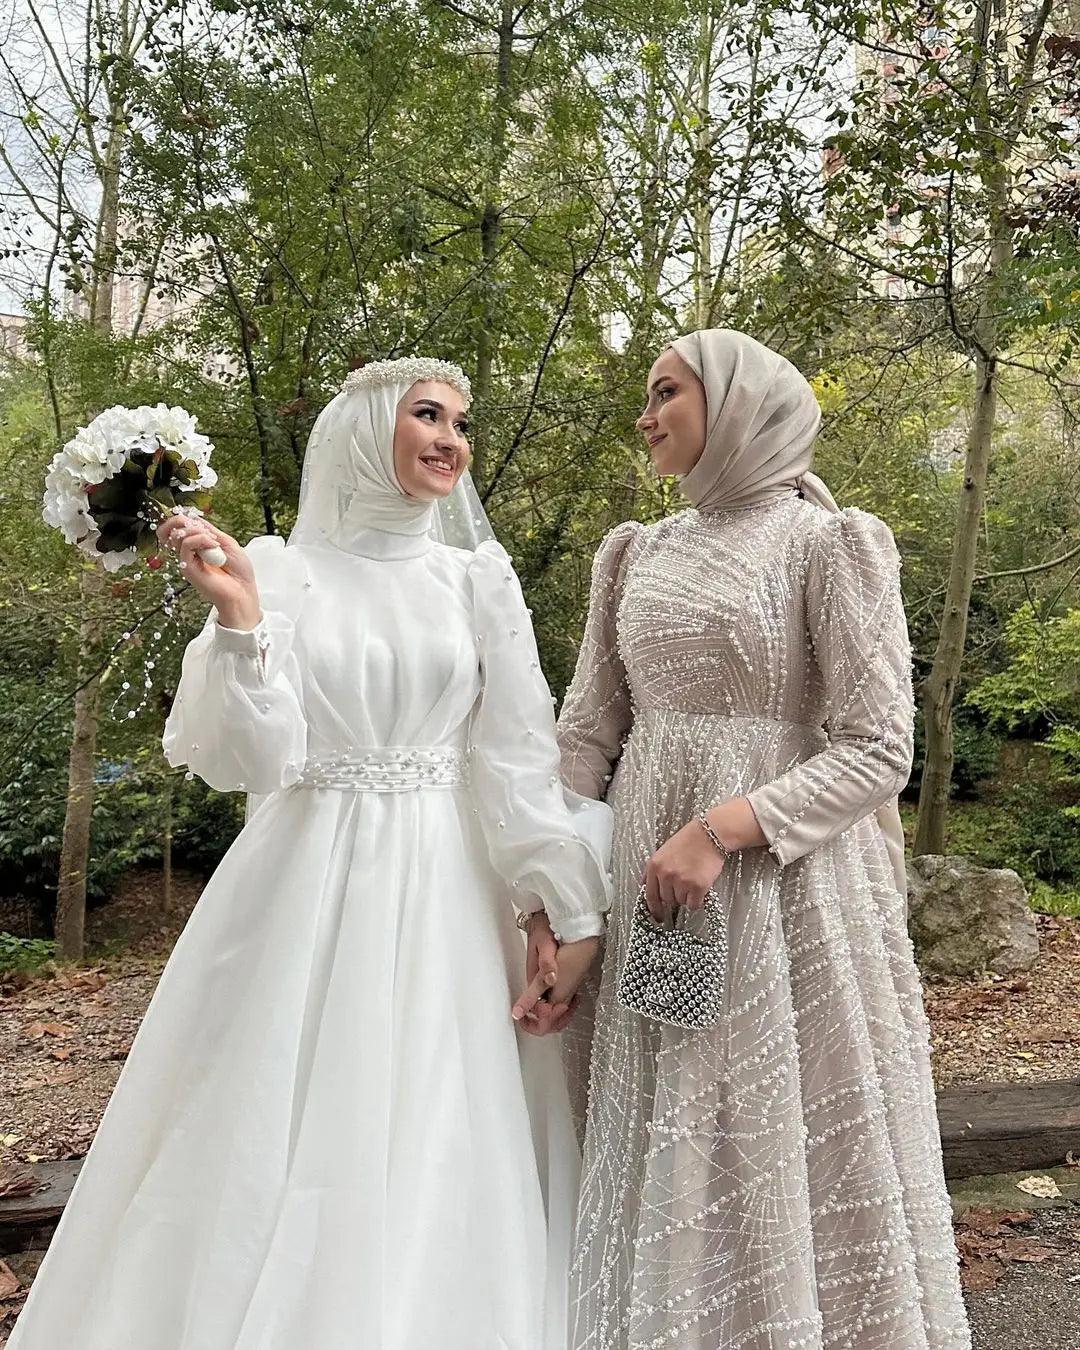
(113, 495)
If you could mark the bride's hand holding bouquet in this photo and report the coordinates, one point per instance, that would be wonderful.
(230, 587)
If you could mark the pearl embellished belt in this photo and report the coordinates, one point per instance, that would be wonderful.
(389, 769)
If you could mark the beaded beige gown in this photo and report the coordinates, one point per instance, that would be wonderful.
(776, 1181)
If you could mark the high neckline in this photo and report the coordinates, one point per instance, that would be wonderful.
(367, 541)
(752, 508)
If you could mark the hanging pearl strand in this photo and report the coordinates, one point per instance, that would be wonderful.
(133, 697)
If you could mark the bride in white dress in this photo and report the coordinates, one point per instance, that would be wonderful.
(329, 1132)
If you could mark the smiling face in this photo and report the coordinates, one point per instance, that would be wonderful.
(430, 449)
(675, 419)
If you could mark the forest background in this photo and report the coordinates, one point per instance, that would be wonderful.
(227, 205)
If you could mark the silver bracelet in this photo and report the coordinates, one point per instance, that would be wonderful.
(714, 838)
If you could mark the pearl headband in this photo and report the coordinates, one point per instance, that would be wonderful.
(408, 370)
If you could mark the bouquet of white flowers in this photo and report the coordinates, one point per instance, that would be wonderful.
(110, 487)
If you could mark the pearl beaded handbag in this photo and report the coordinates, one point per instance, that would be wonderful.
(672, 974)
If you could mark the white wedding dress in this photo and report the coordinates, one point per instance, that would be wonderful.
(329, 1132)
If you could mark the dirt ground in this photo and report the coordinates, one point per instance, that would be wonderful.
(64, 1036)
(1023, 1028)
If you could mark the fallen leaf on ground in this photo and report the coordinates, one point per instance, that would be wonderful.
(1047, 1036)
(1044, 1187)
(982, 1274)
(59, 1053)
(89, 981)
(992, 1222)
(38, 1029)
(9, 1281)
(986, 1242)
(1026, 1249)
(8, 1140)
(17, 1181)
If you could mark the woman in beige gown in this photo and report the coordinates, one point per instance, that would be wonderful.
(774, 1181)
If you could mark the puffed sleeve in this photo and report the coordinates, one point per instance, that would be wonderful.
(856, 621)
(551, 847)
(237, 719)
(596, 714)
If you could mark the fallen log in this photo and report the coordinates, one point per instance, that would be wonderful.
(1008, 1127)
(985, 1128)
(21, 1216)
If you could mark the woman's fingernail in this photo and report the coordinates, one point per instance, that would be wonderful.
(550, 977)
(515, 1013)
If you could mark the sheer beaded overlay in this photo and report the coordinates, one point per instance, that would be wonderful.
(774, 1181)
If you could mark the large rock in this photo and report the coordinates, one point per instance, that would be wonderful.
(965, 919)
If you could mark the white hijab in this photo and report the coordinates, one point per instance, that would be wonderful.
(763, 420)
(349, 483)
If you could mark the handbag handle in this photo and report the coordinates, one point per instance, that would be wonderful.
(715, 921)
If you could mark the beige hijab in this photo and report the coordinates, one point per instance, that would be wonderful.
(763, 419)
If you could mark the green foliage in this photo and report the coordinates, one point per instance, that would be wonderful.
(1040, 685)
(24, 955)
(1021, 832)
(977, 751)
(1038, 693)
(205, 823)
(322, 185)
(1047, 834)
(1047, 899)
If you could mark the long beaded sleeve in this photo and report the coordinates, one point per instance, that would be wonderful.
(856, 621)
(596, 714)
(550, 846)
(237, 719)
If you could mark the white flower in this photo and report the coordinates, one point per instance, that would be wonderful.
(112, 562)
(98, 451)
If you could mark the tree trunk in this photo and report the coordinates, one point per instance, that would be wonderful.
(702, 196)
(78, 812)
(941, 685)
(487, 342)
(649, 169)
(106, 246)
(75, 844)
(948, 662)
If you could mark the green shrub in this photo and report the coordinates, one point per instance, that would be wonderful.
(24, 954)
(1047, 899)
(976, 751)
(205, 823)
(1048, 835)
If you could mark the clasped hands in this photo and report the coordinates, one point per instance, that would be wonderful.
(680, 872)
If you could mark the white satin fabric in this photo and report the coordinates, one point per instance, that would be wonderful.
(329, 1132)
